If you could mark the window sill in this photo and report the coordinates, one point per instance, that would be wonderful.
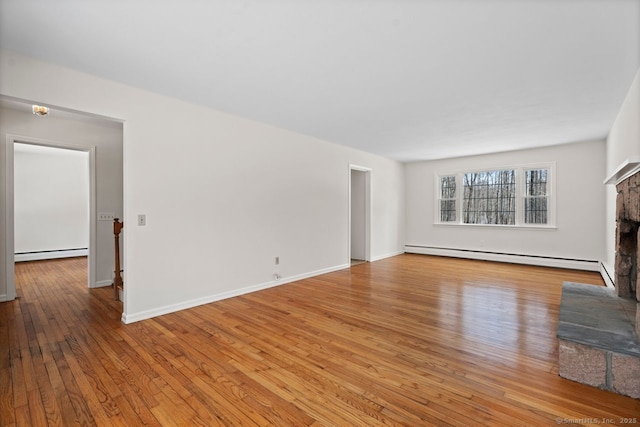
(499, 226)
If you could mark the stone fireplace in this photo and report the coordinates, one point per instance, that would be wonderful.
(599, 328)
(627, 239)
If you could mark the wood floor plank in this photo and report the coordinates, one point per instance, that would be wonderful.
(410, 340)
(86, 389)
(7, 413)
(37, 412)
(11, 394)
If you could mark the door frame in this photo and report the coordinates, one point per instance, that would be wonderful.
(9, 206)
(367, 211)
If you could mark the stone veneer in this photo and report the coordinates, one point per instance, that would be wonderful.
(600, 368)
(627, 237)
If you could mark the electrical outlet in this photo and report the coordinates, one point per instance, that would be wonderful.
(142, 220)
(276, 276)
(106, 216)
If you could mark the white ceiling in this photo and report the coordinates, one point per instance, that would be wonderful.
(408, 80)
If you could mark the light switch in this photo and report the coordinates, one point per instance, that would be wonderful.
(142, 219)
(106, 216)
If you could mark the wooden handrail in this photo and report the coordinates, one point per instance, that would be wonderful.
(117, 278)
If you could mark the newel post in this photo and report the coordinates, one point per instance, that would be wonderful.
(117, 279)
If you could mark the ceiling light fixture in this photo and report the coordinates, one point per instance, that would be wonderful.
(39, 110)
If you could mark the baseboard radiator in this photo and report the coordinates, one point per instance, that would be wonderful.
(545, 261)
(52, 254)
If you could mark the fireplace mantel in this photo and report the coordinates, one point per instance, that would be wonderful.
(624, 171)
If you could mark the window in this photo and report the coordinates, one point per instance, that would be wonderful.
(448, 198)
(518, 196)
(489, 197)
(535, 196)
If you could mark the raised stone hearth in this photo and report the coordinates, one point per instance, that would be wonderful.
(599, 328)
(597, 338)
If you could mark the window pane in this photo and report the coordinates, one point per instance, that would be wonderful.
(448, 187)
(535, 210)
(448, 198)
(536, 180)
(535, 202)
(489, 197)
(447, 210)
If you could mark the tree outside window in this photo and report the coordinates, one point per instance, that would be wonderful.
(490, 197)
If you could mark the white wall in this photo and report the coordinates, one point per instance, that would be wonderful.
(623, 144)
(223, 195)
(107, 138)
(580, 170)
(51, 199)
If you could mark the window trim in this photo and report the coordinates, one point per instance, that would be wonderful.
(520, 196)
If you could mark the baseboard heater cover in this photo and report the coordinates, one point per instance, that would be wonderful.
(50, 254)
(581, 264)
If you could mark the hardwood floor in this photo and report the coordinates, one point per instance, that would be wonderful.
(410, 340)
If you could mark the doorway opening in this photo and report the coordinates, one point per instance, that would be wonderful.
(359, 214)
(27, 232)
(51, 202)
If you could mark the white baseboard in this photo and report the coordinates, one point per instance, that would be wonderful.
(148, 314)
(575, 264)
(389, 255)
(38, 256)
(8, 297)
(608, 278)
(102, 284)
